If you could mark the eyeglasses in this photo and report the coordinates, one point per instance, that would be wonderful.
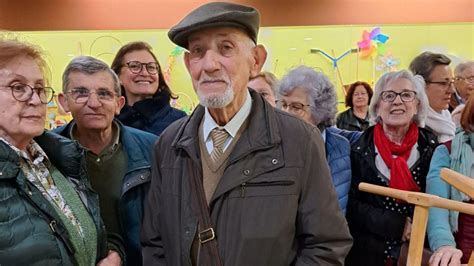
(405, 96)
(444, 84)
(469, 80)
(81, 95)
(136, 67)
(296, 108)
(23, 92)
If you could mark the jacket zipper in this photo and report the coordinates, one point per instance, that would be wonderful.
(263, 184)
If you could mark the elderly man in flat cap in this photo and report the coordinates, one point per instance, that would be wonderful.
(238, 182)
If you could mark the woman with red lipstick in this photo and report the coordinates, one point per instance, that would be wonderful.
(356, 118)
(438, 76)
(396, 153)
(146, 92)
(43, 185)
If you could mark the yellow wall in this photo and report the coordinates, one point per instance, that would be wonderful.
(287, 48)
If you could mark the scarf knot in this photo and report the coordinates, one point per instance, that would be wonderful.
(395, 156)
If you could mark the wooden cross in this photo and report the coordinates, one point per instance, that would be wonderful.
(423, 202)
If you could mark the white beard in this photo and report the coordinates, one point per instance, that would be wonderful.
(216, 100)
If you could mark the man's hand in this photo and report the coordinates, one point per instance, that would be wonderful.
(112, 259)
(446, 256)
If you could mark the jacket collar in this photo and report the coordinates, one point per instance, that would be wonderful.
(64, 154)
(132, 145)
(262, 131)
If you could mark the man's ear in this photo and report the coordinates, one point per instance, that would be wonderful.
(63, 102)
(186, 60)
(259, 54)
(120, 104)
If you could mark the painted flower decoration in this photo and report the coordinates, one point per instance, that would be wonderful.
(388, 63)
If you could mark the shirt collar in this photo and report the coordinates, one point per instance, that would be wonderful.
(33, 152)
(323, 134)
(233, 126)
(114, 144)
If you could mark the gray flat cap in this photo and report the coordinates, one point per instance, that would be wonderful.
(216, 14)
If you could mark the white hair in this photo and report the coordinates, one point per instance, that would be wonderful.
(419, 86)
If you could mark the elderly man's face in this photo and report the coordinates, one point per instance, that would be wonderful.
(465, 83)
(21, 121)
(261, 86)
(221, 61)
(96, 112)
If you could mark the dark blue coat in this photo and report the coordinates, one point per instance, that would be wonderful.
(338, 155)
(138, 145)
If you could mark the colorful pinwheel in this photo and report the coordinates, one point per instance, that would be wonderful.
(372, 43)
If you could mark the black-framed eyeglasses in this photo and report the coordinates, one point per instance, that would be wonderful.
(136, 67)
(405, 96)
(445, 83)
(23, 92)
(81, 95)
(292, 107)
(469, 80)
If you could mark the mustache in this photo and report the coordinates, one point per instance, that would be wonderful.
(205, 79)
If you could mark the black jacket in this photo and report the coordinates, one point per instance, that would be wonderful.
(370, 223)
(348, 121)
(274, 205)
(151, 115)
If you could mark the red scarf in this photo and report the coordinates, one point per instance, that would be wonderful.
(400, 176)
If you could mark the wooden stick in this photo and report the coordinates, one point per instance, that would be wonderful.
(461, 182)
(418, 198)
(417, 236)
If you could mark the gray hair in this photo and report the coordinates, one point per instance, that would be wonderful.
(89, 65)
(269, 78)
(419, 86)
(319, 89)
(462, 66)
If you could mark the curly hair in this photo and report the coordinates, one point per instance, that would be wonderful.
(318, 88)
(350, 92)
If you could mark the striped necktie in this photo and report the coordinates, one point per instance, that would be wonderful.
(218, 136)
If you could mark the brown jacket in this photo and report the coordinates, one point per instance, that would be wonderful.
(274, 205)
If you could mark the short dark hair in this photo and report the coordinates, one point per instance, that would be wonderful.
(163, 88)
(350, 92)
(425, 62)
